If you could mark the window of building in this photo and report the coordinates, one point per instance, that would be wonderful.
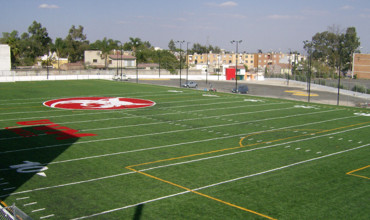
(110, 62)
(95, 60)
(129, 63)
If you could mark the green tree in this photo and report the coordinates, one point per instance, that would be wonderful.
(39, 41)
(12, 39)
(172, 46)
(350, 46)
(334, 48)
(200, 49)
(133, 44)
(76, 44)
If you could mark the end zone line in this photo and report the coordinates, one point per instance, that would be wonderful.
(362, 168)
(226, 149)
(166, 132)
(220, 183)
(206, 158)
(201, 194)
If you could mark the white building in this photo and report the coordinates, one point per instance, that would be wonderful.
(96, 58)
(5, 61)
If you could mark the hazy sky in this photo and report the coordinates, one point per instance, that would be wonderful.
(267, 24)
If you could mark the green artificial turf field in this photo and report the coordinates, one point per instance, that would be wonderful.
(192, 155)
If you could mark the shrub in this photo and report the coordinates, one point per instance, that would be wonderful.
(359, 88)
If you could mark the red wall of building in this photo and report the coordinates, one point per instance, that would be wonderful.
(230, 73)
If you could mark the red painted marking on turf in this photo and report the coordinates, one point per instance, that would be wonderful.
(48, 127)
(98, 103)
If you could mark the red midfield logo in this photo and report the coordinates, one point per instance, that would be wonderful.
(98, 103)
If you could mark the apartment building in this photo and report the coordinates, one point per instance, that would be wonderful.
(361, 66)
(262, 60)
(223, 59)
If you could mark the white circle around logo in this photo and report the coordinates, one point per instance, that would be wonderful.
(98, 103)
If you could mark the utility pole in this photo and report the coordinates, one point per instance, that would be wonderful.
(236, 62)
(180, 42)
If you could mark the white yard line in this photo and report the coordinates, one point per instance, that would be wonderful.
(137, 116)
(117, 111)
(185, 162)
(142, 94)
(146, 135)
(182, 120)
(47, 216)
(220, 183)
(30, 112)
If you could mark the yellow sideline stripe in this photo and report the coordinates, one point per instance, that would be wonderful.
(232, 148)
(201, 194)
(362, 168)
(3, 203)
(225, 149)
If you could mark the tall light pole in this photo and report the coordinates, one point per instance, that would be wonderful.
(47, 65)
(187, 61)
(339, 68)
(121, 61)
(159, 64)
(207, 66)
(137, 71)
(180, 42)
(117, 62)
(218, 64)
(236, 62)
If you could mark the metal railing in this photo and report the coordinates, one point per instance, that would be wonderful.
(12, 213)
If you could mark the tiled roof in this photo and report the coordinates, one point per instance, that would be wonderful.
(123, 57)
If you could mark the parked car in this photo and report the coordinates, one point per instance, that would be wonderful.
(241, 89)
(190, 85)
(123, 78)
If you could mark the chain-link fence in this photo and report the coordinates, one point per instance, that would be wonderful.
(12, 213)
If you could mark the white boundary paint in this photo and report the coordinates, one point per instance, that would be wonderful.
(185, 162)
(220, 183)
(151, 134)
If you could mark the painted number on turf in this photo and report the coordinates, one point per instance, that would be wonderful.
(29, 167)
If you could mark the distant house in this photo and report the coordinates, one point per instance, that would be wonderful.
(124, 61)
(54, 60)
(5, 61)
(97, 59)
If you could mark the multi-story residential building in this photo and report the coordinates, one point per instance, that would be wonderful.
(262, 60)
(277, 61)
(220, 60)
(361, 66)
